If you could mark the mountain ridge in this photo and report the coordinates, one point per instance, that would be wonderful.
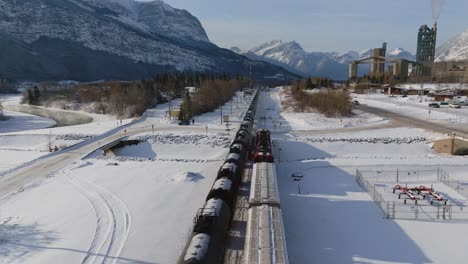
(294, 58)
(455, 49)
(138, 37)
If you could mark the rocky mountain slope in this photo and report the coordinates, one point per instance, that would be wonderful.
(455, 49)
(107, 39)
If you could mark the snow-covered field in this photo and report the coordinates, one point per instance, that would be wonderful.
(25, 137)
(287, 118)
(134, 206)
(333, 220)
(135, 212)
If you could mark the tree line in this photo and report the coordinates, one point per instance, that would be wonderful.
(131, 99)
(330, 102)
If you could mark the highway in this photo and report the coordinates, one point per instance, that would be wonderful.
(404, 120)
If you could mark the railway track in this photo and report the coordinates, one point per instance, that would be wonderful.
(237, 234)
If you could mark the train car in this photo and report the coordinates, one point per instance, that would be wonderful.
(213, 218)
(223, 189)
(263, 137)
(265, 239)
(246, 125)
(243, 133)
(237, 148)
(263, 153)
(263, 150)
(241, 140)
(264, 186)
(234, 158)
(231, 171)
(248, 118)
(197, 251)
(209, 233)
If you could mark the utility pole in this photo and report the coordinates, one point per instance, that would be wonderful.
(170, 116)
(250, 79)
(221, 114)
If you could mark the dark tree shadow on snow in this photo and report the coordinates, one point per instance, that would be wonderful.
(15, 239)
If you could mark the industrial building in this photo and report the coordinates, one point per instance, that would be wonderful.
(399, 68)
(378, 61)
(425, 52)
(450, 71)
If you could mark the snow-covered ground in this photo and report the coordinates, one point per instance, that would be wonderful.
(333, 220)
(137, 204)
(21, 122)
(134, 206)
(25, 137)
(286, 118)
(136, 212)
(416, 106)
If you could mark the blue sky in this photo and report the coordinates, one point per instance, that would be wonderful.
(323, 25)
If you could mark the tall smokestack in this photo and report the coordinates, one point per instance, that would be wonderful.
(437, 8)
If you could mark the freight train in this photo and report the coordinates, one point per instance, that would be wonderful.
(211, 224)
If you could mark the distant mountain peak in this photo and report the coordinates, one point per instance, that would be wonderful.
(293, 57)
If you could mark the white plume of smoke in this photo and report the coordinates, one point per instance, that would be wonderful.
(437, 8)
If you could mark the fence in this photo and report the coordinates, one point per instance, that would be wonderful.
(452, 183)
(410, 209)
(370, 188)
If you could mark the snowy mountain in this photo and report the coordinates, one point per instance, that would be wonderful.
(293, 57)
(107, 39)
(455, 49)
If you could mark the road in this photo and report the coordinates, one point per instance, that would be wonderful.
(21, 177)
(416, 122)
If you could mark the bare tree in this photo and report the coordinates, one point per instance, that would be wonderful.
(117, 99)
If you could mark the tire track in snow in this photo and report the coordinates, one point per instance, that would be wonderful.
(113, 221)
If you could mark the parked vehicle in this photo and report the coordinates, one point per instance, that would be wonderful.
(434, 105)
(454, 105)
(355, 102)
(444, 104)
